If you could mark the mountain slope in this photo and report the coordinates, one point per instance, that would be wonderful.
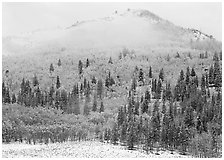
(136, 29)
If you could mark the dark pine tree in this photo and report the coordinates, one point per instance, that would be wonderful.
(131, 135)
(35, 81)
(94, 109)
(211, 75)
(216, 57)
(58, 83)
(181, 78)
(59, 63)
(13, 98)
(101, 107)
(94, 80)
(150, 72)
(114, 134)
(100, 88)
(110, 61)
(217, 74)
(3, 92)
(161, 75)
(51, 68)
(87, 62)
(141, 76)
(7, 96)
(86, 105)
(80, 67)
(187, 79)
(193, 72)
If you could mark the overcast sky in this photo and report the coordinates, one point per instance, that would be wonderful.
(23, 17)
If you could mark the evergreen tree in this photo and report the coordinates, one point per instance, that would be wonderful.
(86, 106)
(136, 112)
(203, 84)
(13, 98)
(164, 107)
(87, 62)
(131, 135)
(120, 56)
(150, 72)
(3, 92)
(189, 117)
(206, 80)
(63, 100)
(35, 81)
(181, 75)
(168, 93)
(22, 87)
(85, 83)
(7, 96)
(164, 130)
(147, 96)
(57, 99)
(100, 88)
(94, 109)
(123, 132)
(94, 80)
(58, 83)
(187, 79)
(114, 134)
(159, 89)
(80, 67)
(217, 75)
(141, 76)
(145, 106)
(161, 75)
(193, 72)
(59, 63)
(51, 68)
(211, 75)
(110, 61)
(154, 85)
(101, 107)
(183, 137)
(156, 127)
(216, 57)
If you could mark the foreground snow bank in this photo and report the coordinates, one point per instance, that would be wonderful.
(84, 149)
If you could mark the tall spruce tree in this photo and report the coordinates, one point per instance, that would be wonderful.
(94, 109)
(59, 62)
(101, 107)
(150, 72)
(51, 68)
(193, 72)
(131, 135)
(58, 83)
(217, 74)
(80, 67)
(187, 78)
(87, 62)
(141, 76)
(100, 88)
(35, 81)
(114, 134)
(161, 75)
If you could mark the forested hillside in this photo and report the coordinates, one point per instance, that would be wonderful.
(128, 100)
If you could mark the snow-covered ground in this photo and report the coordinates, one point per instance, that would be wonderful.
(84, 149)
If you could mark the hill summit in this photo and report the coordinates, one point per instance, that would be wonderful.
(139, 29)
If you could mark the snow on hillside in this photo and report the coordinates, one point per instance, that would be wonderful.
(84, 149)
(136, 29)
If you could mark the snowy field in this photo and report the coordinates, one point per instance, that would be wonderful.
(84, 149)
